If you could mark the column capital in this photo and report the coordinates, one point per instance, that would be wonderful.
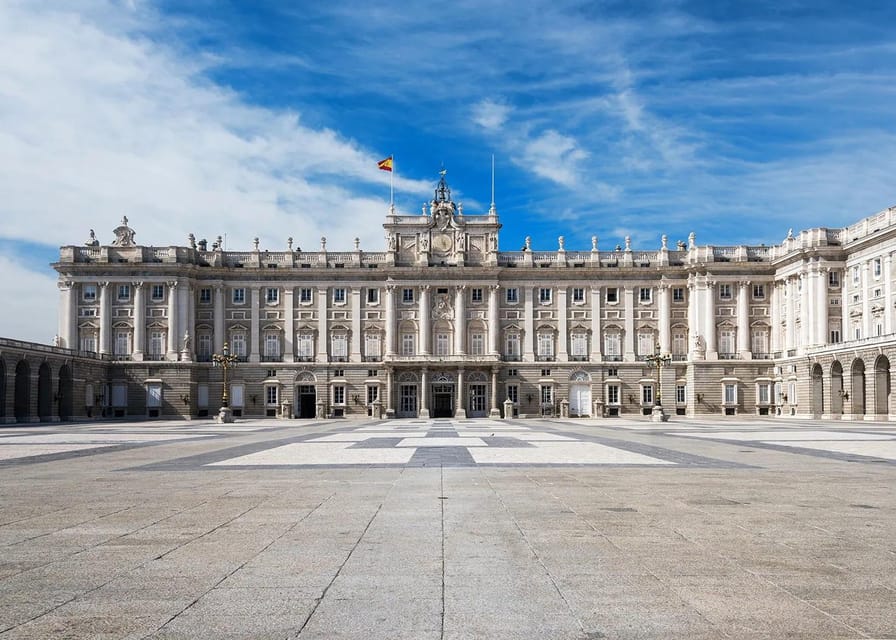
(65, 285)
(744, 284)
(138, 284)
(425, 287)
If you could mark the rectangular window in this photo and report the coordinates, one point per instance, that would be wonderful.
(512, 373)
(272, 346)
(305, 295)
(338, 373)
(727, 341)
(763, 394)
(156, 344)
(855, 275)
(442, 344)
(237, 395)
(544, 295)
(513, 393)
(834, 278)
(373, 394)
(372, 346)
(876, 266)
(878, 293)
(477, 344)
(124, 292)
(158, 292)
(270, 393)
(338, 345)
(612, 345)
(122, 343)
(759, 292)
(835, 336)
(678, 294)
(513, 295)
(88, 343)
(612, 295)
(272, 295)
(545, 345)
(647, 394)
(407, 296)
(730, 393)
(680, 393)
(407, 344)
(154, 395)
(339, 296)
(305, 345)
(759, 342)
(645, 294)
(476, 294)
(205, 296)
(679, 344)
(545, 373)
(578, 294)
(612, 394)
(204, 346)
(373, 296)
(338, 394)
(372, 373)
(578, 345)
(725, 291)
(612, 372)
(512, 345)
(645, 344)
(239, 296)
(89, 292)
(547, 394)
(238, 345)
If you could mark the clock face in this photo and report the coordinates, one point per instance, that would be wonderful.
(441, 242)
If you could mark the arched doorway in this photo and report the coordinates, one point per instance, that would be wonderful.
(443, 390)
(477, 395)
(836, 389)
(580, 394)
(44, 393)
(66, 393)
(22, 400)
(2, 389)
(882, 386)
(857, 394)
(306, 395)
(408, 393)
(817, 390)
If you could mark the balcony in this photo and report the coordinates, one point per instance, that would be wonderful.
(728, 356)
(376, 358)
(758, 355)
(578, 358)
(338, 358)
(154, 357)
(271, 358)
(304, 358)
(511, 357)
(612, 358)
(545, 358)
(679, 357)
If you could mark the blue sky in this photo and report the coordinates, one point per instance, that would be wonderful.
(734, 120)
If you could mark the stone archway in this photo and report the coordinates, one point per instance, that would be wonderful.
(857, 382)
(817, 376)
(836, 389)
(66, 393)
(44, 393)
(881, 385)
(22, 399)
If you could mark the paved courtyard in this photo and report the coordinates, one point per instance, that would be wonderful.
(420, 529)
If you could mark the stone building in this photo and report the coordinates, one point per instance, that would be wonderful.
(443, 323)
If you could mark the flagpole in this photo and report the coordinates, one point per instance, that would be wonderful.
(391, 186)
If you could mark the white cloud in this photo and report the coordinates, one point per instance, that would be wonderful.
(99, 121)
(489, 114)
(35, 295)
(554, 156)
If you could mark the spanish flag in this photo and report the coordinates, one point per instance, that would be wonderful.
(385, 165)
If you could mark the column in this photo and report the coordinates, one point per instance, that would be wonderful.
(493, 321)
(459, 411)
(845, 328)
(693, 320)
(775, 330)
(866, 302)
(139, 322)
(790, 336)
(495, 410)
(105, 318)
(68, 315)
(460, 320)
(805, 312)
(528, 326)
(562, 329)
(709, 329)
(322, 337)
(743, 320)
(355, 348)
(220, 334)
(184, 293)
(390, 410)
(255, 315)
(424, 312)
(628, 298)
(888, 294)
(811, 310)
(173, 329)
(822, 306)
(596, 337)
(390, 320)
(424, 393)
(665, 328)
(289, 324)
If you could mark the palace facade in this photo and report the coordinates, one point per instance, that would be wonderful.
(442, 323)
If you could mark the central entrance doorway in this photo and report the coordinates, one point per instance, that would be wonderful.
(307, 399)
(477, 400)
(443, 401)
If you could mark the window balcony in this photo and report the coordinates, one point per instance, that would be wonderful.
(154, 357)
(204, 357)
(272, 358)
(578, 358)
(758, 355)
(679, 357)
(121, 356)
(613, 358)
(512, 357)
(304, 358)
(371, 358)
(545, 358)
(728, 356)
(338, 358)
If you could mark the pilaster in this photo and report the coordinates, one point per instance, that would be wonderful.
(254, 329)
(139, 321)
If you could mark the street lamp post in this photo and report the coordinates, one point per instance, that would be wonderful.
(658, 360)
(224, 360)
